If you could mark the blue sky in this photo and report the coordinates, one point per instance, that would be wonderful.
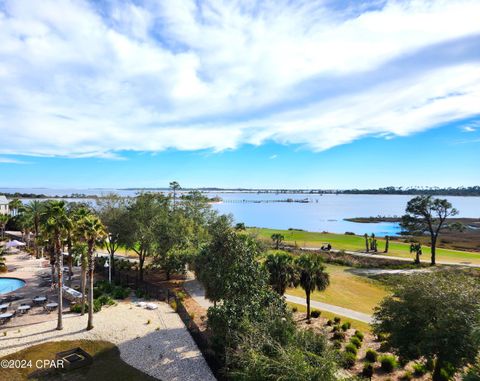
(307, 94)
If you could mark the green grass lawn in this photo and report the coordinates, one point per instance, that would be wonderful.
(356, 324)
(107, 364)
(357, 243)
(347, 290)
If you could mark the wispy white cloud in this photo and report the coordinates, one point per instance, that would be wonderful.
(7, 160)
(272, 157)
(80, 79)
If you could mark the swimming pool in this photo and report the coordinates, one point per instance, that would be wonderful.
(10, 284)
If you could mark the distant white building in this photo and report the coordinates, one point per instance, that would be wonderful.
(4, 209)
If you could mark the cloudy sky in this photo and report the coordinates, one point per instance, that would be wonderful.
(239, 93)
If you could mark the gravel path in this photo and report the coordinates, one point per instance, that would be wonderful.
(331, 308)
(162, 348)
(197, 292)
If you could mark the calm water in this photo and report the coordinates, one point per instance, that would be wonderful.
(10, 284)
(322, 213)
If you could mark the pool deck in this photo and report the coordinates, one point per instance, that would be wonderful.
(36, 273)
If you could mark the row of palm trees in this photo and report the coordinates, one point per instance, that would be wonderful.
(56, 225)
(306, 270)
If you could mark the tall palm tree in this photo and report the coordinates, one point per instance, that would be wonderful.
(34, 210)
(80, 250)
(282, 271)
(56, 224)
(76, 213)
(92, 230)
(312, 275)
(3, 223)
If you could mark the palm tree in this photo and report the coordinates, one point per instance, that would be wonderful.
(15, 205)
(282, 271)
(277, 238)
(56, 224)
(80, 250)
(34, 210)
(3, 223)
(92, 230)
(312, 275)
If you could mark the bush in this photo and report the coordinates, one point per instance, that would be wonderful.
(120, 292)
(336, 328)
(337, 320)
(77, 308)
(371, 355)
(351, 348)
(346, 326)
(348, 360)
(349, 233)
(181, 295)
(367, 370)
(381, 337)
(359, 335)
(407, 376)
(388, 363)
(355, 341)
(139, 293)
(97, 292)
(174, 306)
(337, 344)
(330, 322)
(106, 300)
(294, 309)
(315, 314)
(338, 336)
(419, 369)
(97, 305)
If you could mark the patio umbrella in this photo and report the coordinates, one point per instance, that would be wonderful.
(14, 243)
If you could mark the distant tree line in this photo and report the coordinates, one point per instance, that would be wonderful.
(427, 191)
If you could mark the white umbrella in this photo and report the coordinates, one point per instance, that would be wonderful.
(14, 243)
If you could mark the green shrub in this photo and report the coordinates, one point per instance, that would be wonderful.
(105, 300)
(355, 341)
(359, 335)
(367, 370)
(97, 292)
(294, 309)
(139, 293)
(337, 320)
(381, 337)
(330, 322)
(77, 308)
(407, 376)
(181, 295)
(174, 306)
(337, 344)
(338, 336)
(419, 369)
(371, 355)
(388, 363)
(315, 314)
(97, 305)
(346, 326)
(351, 348)
(120, 293)
(348, 360)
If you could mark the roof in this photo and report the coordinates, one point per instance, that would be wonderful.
(3, 200)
